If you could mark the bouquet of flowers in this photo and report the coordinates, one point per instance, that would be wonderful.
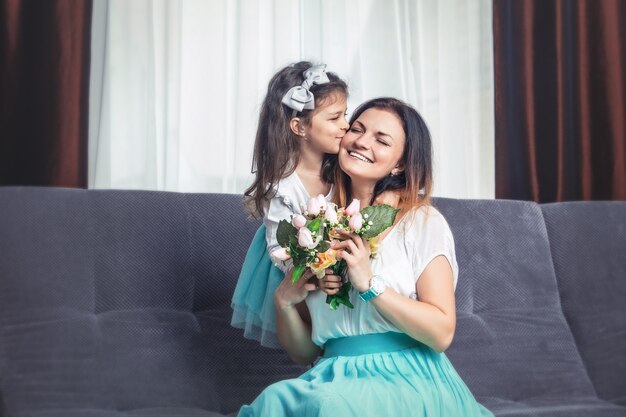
(306, 239)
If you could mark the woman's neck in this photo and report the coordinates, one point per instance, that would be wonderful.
(363, 192)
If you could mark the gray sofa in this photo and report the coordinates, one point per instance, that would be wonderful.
(117, 303)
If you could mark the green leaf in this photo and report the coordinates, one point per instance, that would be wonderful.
(284, 232)
(381, 216)
(323, 246)
(297, 272)
(340, 268)
(315, 224)
(342, 297)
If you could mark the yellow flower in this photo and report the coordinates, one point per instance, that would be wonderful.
(374, 244)
(326, 260)
(334, 234)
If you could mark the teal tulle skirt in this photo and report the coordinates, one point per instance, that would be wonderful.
(386, 374)
(253, 300)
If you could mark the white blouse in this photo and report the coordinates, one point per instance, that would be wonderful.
(417, 238)
(290, 197)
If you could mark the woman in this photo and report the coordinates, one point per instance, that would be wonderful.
(385, 356)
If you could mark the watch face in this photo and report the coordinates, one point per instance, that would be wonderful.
(378, 284)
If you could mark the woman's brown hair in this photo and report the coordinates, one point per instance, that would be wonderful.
(276, 147)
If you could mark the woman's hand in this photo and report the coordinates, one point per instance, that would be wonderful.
(289, 294)
(330, 283)
(356, 252)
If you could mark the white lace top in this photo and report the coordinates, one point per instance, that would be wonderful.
(402, 256)
(289, 198)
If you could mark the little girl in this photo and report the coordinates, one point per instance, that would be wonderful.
(301, 124)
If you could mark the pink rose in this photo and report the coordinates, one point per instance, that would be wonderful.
(305, 238)
(298, 220)
(356, 221)
(331, 214)
(313, 207)
(281, 254)
(353, 208)
(321, 202)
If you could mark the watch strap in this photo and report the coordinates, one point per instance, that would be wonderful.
(371, 293)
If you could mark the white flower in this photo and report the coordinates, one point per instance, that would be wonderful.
(321, 202)
(305, 238)
(356, 221)
(353, 208)
(312, 207)
(331, 214)
(281, 254)
(298, 220)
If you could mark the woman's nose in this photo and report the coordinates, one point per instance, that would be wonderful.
(363, 141)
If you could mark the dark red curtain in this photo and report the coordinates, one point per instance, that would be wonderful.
(44, 91)
(560, 87)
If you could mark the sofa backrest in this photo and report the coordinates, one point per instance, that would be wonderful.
(588, 244)
(512, 340)
(121, 300)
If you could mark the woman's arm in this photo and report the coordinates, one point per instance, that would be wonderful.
(293, 321)
(432, 319)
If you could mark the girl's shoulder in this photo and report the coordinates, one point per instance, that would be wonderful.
(290, 192)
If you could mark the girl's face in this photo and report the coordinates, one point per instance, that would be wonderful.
(373, 146)
(328, 125)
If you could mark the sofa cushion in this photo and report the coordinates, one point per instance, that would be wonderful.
(120, 300)
(512, 341)
(588, 244)
(146, 412)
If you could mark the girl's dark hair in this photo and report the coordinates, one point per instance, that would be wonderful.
(415, 182)
(276, 147)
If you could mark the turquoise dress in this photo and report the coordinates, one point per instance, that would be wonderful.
(388, 374)
(369, 367)
(253, 300)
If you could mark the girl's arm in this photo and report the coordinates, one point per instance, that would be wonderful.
(293, 321)
(432, 319)
(276, 211)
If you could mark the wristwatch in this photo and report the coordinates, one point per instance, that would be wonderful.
(377, 287)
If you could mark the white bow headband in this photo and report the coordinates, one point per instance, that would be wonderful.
(300, 97)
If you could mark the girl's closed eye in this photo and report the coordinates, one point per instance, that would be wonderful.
(338, 116)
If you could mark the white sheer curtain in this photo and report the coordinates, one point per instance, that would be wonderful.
(176, 85)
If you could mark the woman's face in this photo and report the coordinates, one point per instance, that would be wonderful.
(373, 146)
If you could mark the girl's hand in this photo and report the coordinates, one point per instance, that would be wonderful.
(356, 252)
(330, 283)
(289, 294)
